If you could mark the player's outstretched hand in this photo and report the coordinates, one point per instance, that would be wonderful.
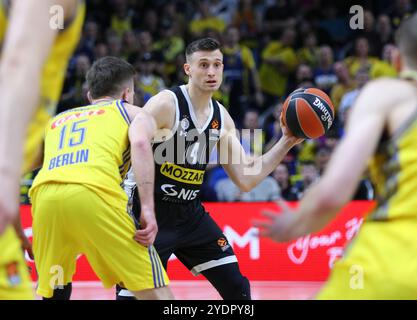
(149, 228)
(279, 227)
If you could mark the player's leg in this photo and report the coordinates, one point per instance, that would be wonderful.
(55, 242)
(205, 250)
(107, 232)
(165, 242)
(15, 282)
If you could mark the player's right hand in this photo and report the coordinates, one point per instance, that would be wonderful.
(149, 228)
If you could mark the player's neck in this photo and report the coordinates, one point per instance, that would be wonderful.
(199, 99)
(102, 99)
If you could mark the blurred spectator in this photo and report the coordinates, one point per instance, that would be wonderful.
(309, 175)
(323, 154)
(147, 48)
(400, 9)
(324, 76)
(252, 137)
(279, 16)
(304, 76)
(278, 61)
(114, 43)
(384, 30)
(100, 50)
(361, 57)
(223, 9)
(74, 91)
(244, 19)
(148, 82)
(130, 45)
(369, 33)
(170, 45)
(309, 52)
(123, 18)
(174, 18)
(204, 20)
(282, 176)
(89, 38)
(150, 23)
(384, 67)
(241, 78)
(335, 26)
(266, 190)
(179, 77)
(362, 77)
(345, 83)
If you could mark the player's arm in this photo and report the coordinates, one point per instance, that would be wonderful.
(162, 107)
(141, 132)
(25, 49)
(247, 172)
(337, 186)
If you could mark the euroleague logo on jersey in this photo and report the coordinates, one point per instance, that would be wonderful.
(223, 244)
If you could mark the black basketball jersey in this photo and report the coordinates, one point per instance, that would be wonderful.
(181, 159)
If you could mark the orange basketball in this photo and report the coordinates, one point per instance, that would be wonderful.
(308, 113)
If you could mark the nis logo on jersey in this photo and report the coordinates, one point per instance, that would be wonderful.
(181, 174)
(171, 191)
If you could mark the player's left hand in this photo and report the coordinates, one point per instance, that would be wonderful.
(280, 227)
(147, 233)
(286, 134)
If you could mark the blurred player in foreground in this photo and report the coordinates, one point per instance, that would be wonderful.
(33, 64)
(380, 263)
(78, 205)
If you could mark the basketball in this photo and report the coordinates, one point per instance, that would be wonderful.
(308, 113)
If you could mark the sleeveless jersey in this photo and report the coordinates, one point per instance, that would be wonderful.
(393, 171)
(181, 160)
(88, 146)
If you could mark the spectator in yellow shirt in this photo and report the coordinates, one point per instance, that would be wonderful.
(278, 62)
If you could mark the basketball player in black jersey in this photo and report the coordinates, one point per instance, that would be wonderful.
(191, 124)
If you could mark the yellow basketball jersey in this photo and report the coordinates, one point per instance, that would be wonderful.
(89, 146)
(53, 76)
(394, 173)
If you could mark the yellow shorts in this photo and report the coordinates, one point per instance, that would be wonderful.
(381, 263)
(70, 219)
(15, 283)
(34, 139)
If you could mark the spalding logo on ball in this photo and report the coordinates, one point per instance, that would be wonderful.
(308, 113)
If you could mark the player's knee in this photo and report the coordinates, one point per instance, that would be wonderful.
(237, 289)
(62, 293)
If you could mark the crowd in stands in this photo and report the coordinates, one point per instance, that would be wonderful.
(270, 49)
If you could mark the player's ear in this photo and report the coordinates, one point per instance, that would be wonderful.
(187, 69)
(90, 99)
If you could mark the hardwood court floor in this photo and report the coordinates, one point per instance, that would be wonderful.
(202, 290)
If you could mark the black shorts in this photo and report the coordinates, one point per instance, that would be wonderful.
(189, 232)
